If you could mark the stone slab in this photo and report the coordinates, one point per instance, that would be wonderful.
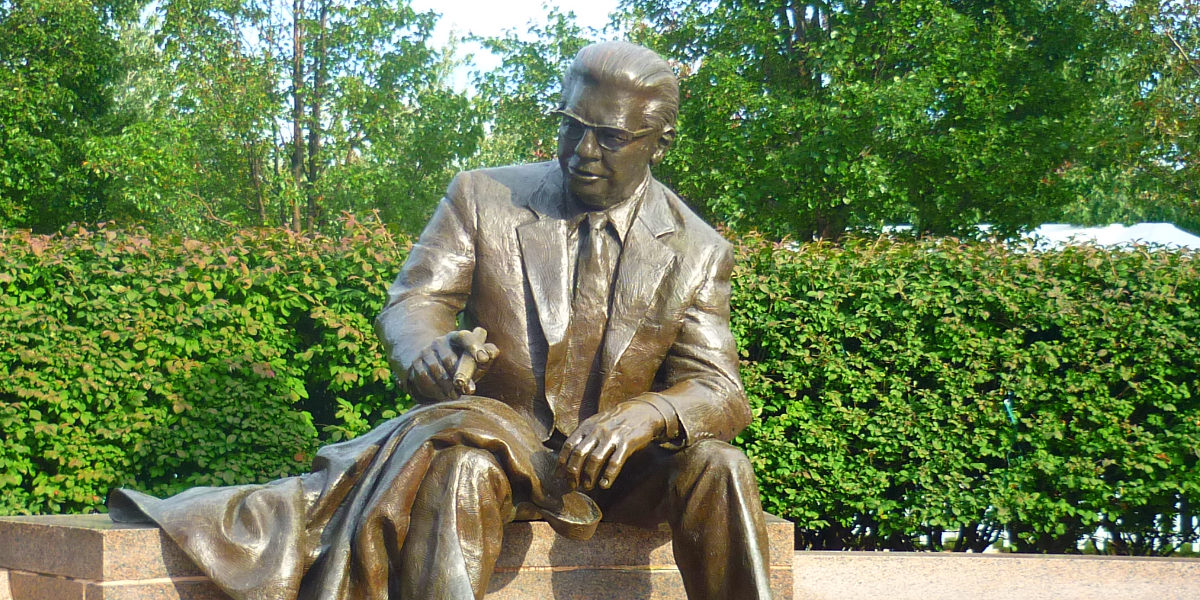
(185, 588)
(556, 584)
(954, 576)
(606, 584)
(89, 547)
(534, 544)
(5, 588)
(31, 585)
(88, 557)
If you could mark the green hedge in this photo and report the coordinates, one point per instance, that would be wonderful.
(169, 363)
(910, 389)
(904, 389)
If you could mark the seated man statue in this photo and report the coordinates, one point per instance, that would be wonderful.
(565, 329)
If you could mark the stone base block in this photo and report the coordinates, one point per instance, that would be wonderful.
(5, 589)
(88, 557)
(956, 576)
(620, 563)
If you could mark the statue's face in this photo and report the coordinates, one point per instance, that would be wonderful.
(605, 147)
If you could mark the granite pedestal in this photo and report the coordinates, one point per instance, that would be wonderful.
(88, 557)
(961, 576)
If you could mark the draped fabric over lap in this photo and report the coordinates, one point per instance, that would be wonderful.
(336, 532)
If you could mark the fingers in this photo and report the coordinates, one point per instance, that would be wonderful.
(573, 440)
(431, 376)
(464, 375)
(575, 462)
(571, 455)
(443, 352)
(593, 454)
(477, 368)
(475, 355)
(435, 371)
(426, 377)
(596, 460)
(596, 451)
(474, 343)
(569, 451)
(615, 463)
(600, 459)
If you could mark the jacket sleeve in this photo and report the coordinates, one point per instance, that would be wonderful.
(424, 301)
(699, 376)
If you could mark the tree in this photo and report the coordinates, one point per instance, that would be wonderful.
(518, 96)
(268, 113)
(57, 58)
(394, 132)
(806, 118)
(1148, 158)
(197, 113)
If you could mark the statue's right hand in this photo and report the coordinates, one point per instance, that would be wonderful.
(432, 373)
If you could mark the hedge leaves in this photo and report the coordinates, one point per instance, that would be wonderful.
(903, 389)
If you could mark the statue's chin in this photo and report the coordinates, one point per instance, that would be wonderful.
(588, 194)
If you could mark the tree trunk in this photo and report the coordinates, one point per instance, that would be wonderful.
(297, 108)
(314, 124)
(256, 182)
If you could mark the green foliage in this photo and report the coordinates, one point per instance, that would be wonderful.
(57, 58)
(884, 374)
(799, 118)
(1147, 155)
(200, 117)
(193, 151)
(394, 132)
(807, 118)
(519, 94)
(164, 363)
(903, 389)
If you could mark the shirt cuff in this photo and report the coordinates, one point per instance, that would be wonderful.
(673, 430)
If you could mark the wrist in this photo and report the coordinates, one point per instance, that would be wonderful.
(668, 429)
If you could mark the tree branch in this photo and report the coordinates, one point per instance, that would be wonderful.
(1187, 59)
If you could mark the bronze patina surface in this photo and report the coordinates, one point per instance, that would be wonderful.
(596, 376)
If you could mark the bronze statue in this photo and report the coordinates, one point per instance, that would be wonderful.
(565, 329)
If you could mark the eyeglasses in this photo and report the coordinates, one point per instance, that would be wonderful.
(609, 138)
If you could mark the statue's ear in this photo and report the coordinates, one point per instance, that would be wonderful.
(664, 142)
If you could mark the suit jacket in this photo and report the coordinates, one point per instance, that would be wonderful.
(497, 251)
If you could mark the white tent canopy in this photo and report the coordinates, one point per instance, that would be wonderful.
(1056, 235)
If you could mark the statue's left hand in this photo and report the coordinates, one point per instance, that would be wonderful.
(595, 452)
(438, 373)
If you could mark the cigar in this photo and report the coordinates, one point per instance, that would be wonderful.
(464, 375)
(468, 364)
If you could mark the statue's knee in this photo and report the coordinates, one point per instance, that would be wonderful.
(721, 454)
(458, 464)
(711, 474)
(715, 457)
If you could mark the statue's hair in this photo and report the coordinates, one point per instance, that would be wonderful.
(633, 67)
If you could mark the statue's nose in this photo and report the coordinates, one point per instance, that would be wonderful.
(587, 147)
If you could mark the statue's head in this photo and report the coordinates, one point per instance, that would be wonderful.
(618, 112)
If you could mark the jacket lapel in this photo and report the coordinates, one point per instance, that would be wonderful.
(544, 255)
(543, 252)
(645, 260)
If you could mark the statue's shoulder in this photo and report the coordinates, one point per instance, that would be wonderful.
(693, 227)
(517, 181)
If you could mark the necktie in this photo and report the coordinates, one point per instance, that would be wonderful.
(594, 268)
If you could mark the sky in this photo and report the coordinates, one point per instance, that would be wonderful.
(492, 17)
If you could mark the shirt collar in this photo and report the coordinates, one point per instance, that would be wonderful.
(622, 215)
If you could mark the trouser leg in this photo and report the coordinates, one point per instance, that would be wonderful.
(717, 527)
(457, 525)
(708, 495)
